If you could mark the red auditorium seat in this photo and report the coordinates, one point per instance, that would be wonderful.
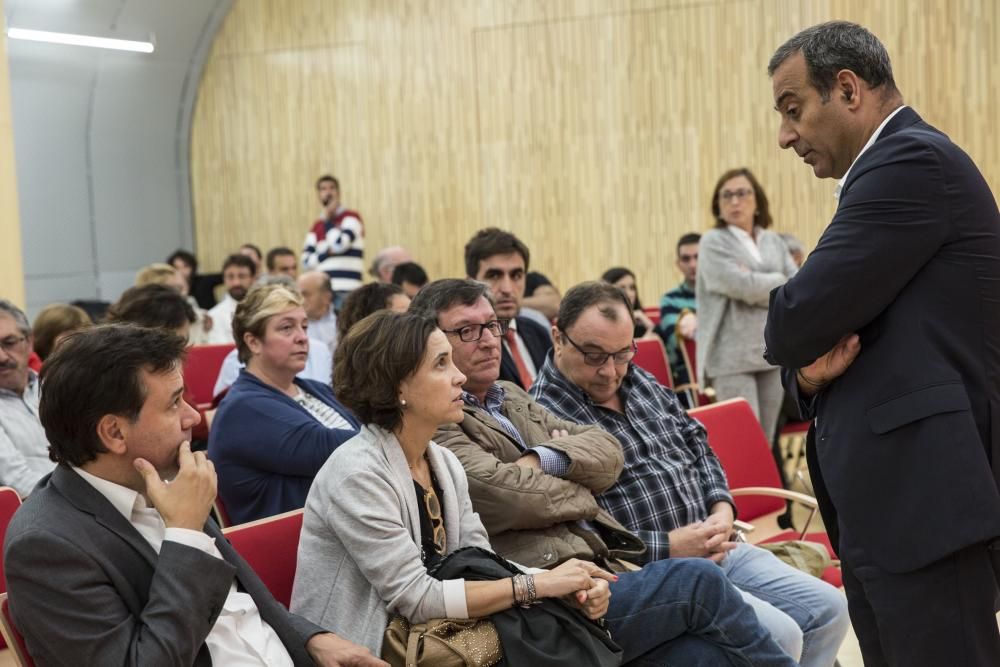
(271, 548)
(201, 370)
(652, 357)
(689, 355)
(653, 313)
(10, 501)
(14, 639)
(736, 437)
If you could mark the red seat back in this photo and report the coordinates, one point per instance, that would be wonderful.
(220, 513)
(201, 370)
(20, 652)
(653, 313)
(652, 357)
(10, 501)
(689, 356)
(271, 548)
(736, 437)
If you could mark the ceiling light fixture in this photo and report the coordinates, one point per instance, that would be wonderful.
(79, 40)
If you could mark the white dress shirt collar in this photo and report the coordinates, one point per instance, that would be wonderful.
(240, 637)
(871, 140)
(121, 497)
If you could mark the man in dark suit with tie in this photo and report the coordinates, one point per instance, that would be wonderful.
(890, 336)
(112, 560)
(500, 259)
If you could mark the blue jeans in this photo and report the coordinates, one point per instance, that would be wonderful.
(685, 612)
(805, 615)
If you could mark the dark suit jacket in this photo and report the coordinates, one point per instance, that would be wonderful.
(538, 342)
(87, 589)
(911, 262)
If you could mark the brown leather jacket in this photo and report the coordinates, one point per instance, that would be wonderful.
(533, 517)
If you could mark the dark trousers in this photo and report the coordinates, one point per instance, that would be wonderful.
(941, 614)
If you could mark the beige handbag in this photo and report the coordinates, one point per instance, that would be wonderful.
(442, 642)
(809, 557)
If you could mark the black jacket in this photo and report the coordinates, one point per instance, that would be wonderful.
(538, 341)
(905, 438)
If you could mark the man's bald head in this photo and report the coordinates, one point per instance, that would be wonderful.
(317, 294)
(388, 259)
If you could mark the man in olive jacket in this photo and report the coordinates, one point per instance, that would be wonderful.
(532, 479)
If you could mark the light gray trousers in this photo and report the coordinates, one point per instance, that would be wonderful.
(762, 390)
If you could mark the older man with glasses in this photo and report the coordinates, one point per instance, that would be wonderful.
(673, 492)
(24, 450)
(533, 479)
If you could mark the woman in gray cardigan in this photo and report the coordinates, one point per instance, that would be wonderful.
(739, 263)
(389, 502)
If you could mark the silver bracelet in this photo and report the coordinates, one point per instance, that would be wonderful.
(518, 586)
(525, 593)
(532, 593)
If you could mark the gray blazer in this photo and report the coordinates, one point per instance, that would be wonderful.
(359, 553)
(732, 291)
(87, 589)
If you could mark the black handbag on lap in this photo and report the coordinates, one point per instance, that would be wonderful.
(550, 632)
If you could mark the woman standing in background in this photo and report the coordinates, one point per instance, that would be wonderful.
(739, 263)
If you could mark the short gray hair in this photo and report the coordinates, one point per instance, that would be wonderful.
(20, 319)
(835, 45)
(442, 294)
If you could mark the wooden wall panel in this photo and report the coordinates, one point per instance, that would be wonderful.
(594, 129)
(11, 261)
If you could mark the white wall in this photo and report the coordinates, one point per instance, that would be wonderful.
(102, 140)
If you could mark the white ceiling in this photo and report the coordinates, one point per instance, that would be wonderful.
(102, 139)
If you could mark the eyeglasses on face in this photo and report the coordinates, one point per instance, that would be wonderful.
(741, 193)
(471, 333)
(598, 359)
(11, 343)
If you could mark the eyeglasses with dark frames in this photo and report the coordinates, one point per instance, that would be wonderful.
(598, 359)
(471, 333)
(740, 193)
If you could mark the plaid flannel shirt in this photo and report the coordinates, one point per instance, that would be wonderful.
(671, 477)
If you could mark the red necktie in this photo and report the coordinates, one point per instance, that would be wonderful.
(515, 352)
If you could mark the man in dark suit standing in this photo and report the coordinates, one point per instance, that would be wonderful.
(500, 259)
(112, 560)
(890, 335)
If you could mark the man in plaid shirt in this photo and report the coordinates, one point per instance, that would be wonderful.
(672, 492)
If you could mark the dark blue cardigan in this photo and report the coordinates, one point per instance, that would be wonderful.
(267, 448)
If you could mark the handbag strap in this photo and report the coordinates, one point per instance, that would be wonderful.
(412, 646)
